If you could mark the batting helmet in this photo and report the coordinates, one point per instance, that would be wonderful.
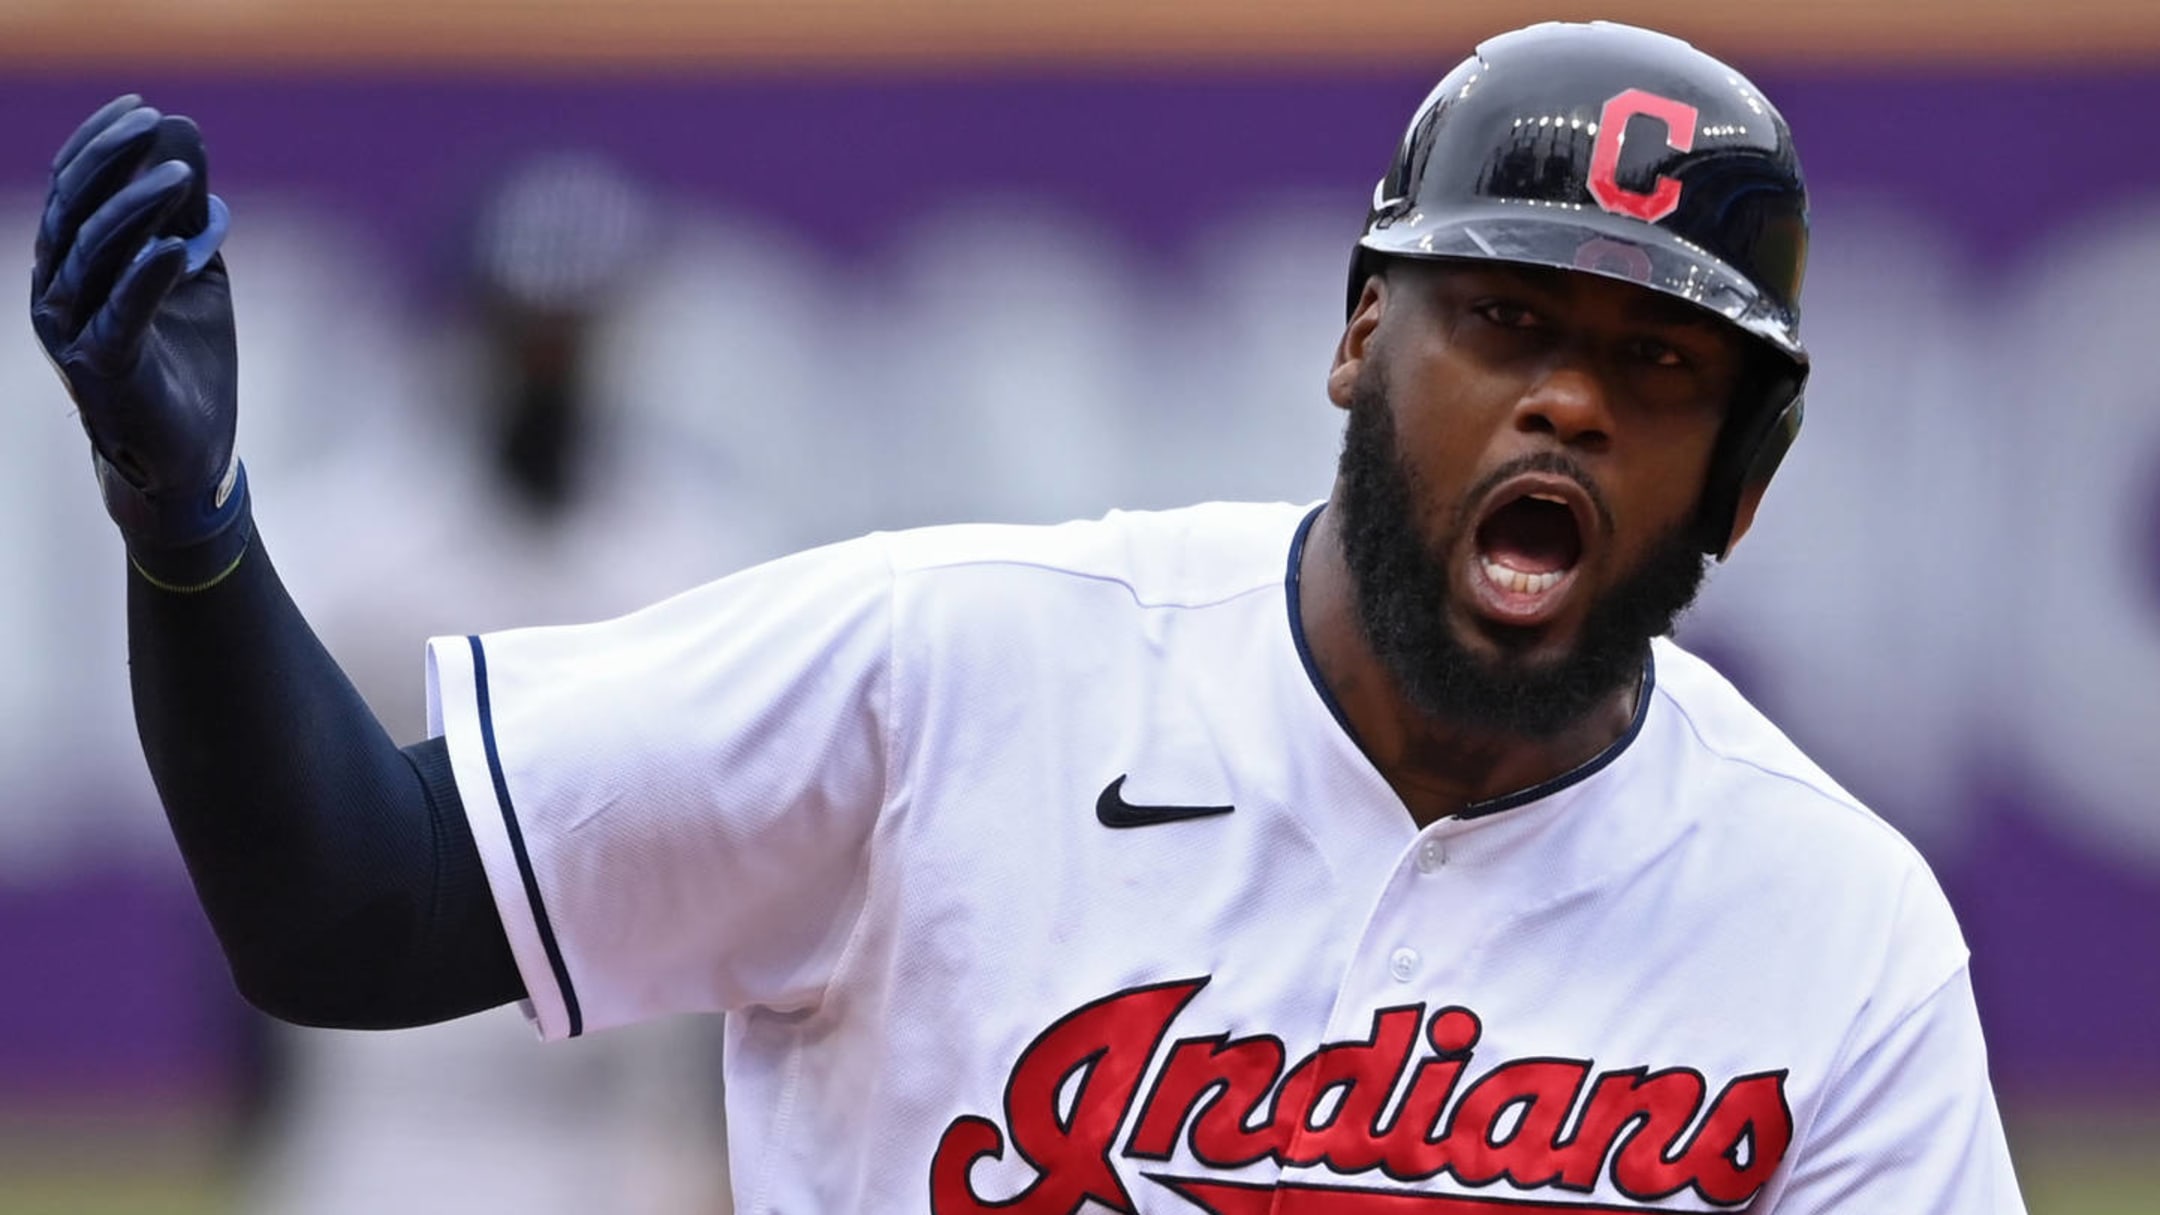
(1622, 152)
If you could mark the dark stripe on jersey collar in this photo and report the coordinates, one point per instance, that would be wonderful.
(517, 843)
(1297, 624)
(1589, 767)
(1506, 801)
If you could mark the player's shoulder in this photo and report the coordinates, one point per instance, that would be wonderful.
(1730, 732)
(1760, 792)
(1188, 557)
(1756, 780)
(1790, 841)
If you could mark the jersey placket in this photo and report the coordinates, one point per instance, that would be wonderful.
(1383, 1020)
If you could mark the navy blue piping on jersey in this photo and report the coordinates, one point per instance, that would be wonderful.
(517, 843)
(1492, 805)
(1585, 770)
(1291, 594)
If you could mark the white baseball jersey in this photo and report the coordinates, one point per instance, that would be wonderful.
(1037, 872)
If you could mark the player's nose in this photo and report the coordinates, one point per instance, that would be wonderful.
(1569, 402)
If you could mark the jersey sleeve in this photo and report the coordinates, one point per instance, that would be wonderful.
(674, 807)
(1912, 1125)
(1908, 1120)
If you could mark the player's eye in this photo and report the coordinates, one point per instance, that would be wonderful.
(1507, 314)
(1657, 353)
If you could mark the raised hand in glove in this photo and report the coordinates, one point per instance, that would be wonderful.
(131, 301)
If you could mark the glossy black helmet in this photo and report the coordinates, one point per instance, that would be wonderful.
(1623, 152)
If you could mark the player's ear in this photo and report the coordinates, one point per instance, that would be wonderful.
(1356, 342)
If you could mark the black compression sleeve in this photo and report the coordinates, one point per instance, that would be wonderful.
(337, 870)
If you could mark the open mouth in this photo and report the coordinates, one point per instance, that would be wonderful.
(1528, 547)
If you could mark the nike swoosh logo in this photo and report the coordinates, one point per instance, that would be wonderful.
(1112, 810)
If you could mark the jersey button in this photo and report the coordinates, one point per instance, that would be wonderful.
(1430, 856)
(1403, 964)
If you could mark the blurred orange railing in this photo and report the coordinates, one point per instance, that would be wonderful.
(64, 34)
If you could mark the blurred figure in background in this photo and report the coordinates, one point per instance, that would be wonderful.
(546, 499)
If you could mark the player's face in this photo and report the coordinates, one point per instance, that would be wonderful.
(1519, 482)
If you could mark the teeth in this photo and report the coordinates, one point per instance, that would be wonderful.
(1517, 580)
(1548, 498)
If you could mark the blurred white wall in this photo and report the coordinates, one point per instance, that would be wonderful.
(1956, 563)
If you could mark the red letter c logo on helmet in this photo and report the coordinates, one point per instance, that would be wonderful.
(1679, 119)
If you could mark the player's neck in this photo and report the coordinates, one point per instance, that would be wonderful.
(1437, 767)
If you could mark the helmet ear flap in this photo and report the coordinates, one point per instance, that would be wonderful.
(1750, 449)
(1364, 263)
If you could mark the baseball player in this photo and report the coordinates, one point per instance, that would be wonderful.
(1376, 855)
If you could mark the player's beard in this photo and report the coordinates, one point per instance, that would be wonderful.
(1400, 582)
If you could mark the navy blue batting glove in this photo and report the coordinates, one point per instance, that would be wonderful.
(130, 298)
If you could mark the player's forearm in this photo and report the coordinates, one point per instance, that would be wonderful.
(337, 870)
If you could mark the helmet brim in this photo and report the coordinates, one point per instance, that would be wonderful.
(1592, 242)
